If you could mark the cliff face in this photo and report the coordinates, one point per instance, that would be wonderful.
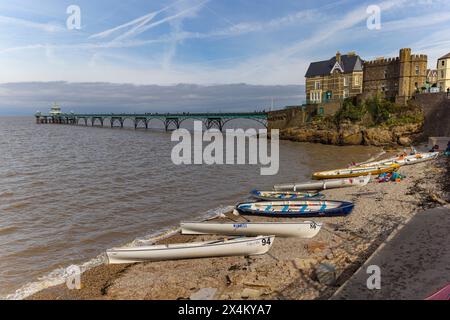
(354, 134)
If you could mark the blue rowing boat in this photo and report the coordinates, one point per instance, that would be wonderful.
(295, 209)
(285, 195)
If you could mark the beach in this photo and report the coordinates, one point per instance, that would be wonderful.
(288, 271)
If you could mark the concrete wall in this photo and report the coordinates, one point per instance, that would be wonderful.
(436, 107)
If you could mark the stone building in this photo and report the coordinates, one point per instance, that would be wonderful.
(443, 73)
(396, 79)
(335, 79)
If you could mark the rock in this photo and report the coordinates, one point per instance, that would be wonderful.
(350, 135)
(204, 294)
(248, 293)
(404, 141)
(326, 273)
(329, 256)
(304, 264)
(316, 246)
(378, 137)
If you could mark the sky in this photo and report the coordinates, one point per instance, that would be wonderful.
(208, 43)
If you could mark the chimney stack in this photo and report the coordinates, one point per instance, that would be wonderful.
(338, 57)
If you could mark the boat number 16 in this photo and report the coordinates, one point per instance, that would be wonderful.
(265, 241)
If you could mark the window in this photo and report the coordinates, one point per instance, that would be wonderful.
(357, 81)
(442, 74)
(317, 85)
(345, 81)
(417, 70)
(345, 93)
(314, 96)
(442, 62)
(385, 74)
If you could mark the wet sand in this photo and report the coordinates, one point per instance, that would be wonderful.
(288, 271)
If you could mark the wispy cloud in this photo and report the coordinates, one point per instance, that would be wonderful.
(47, 27)
(142, 24)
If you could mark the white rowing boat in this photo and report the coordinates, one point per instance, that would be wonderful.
(355, 172)
(217, 248)
(404, 160)
(324, 184)
(304, 229)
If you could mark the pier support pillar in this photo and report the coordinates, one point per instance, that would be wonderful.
(170, 121)
(211, 122)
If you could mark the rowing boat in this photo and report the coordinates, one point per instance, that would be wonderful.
(217, 248)
(285, 195)
(404, 160)
(304, 229)
(295, 209)
(324, 185)
(355, 172)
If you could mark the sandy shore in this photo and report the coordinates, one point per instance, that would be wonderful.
(288, 271)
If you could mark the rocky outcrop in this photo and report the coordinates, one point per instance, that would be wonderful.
(353, 134)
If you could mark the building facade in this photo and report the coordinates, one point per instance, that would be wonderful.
(396, 79)
(443, 73)
(335, 79)
(432, 77)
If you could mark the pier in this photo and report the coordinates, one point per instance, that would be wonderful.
(170, 120)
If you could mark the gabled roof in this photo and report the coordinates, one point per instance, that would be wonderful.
(349, 63)
(445, 57)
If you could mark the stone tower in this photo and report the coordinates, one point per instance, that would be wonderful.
(404, 89)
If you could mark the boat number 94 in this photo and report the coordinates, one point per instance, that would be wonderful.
(266, 241)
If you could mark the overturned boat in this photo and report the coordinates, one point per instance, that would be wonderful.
(295, 209)
(303, 229)
(324, 185)
(216, 248)
(285, 195)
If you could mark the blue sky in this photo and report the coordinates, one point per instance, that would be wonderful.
(206, 41)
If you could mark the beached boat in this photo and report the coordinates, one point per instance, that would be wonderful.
(216, 248)
(304, 229)
(285, 195)
(293, 209)
(324, 185)
(404, 160)
(355, 172)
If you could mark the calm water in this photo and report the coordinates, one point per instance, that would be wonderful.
(68, 193)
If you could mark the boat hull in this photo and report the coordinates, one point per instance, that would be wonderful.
(324, 184)
(307, 229)
(296, 209)
(288, 195)
(235, 247)
(408, 160)
(355, 172)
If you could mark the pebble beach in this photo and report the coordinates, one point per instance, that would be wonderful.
(294, 268)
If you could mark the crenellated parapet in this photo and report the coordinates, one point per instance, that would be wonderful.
(381, 61)
(419, 58)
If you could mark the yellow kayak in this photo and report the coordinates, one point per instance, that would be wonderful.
(355, 172)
